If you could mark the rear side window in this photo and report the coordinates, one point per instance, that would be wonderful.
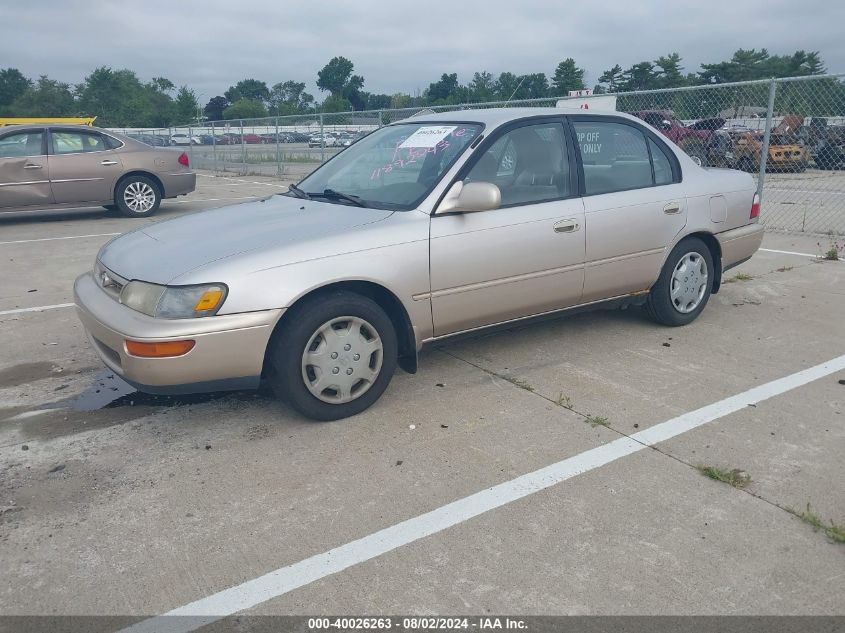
(112, 143)
(662, 164)
(77, 142)
(615, 157)
(21, 144)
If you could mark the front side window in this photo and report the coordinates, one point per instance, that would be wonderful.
(614, 155)
(77, 142)
(529, 164)
(20, 144)
(395, 167)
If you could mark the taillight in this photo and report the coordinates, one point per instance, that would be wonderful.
(755, 206)
(183, 159)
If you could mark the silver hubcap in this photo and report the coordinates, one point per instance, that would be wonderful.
(689, 282)
(139, 197)
(342, 360)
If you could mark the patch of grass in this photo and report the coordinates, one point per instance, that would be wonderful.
(597, 420)
(736, 478)
(522, 384)
(834, 532)
(784, 269)
(738, 277)
(834, 251)
(564, 401)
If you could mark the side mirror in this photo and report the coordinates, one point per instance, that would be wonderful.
(471, 197)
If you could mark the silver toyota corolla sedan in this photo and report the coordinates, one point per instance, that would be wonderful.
(424, 229)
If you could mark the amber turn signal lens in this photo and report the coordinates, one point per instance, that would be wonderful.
(163, 349)
(208, 300)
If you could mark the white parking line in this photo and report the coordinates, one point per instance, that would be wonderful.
(286, 579)
(212, 199)
(772, 250)
(819, 191)
(241, 180)
(36, 309)
(50, 239)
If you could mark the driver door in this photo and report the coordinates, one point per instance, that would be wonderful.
(524, 258)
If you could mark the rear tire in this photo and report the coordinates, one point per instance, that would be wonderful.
(684, 285)
(334, 356)
(137, 196)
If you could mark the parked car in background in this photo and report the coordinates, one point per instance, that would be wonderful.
(206, 139)
(422, 230)
(324, 140)
(180, 138)
(826, 143)
(153, 140)
(55, 167)
(704, 140)
(786, 149)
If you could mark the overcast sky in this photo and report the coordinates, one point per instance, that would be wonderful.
(397, 46)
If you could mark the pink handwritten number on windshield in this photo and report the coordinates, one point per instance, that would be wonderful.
(414, 153)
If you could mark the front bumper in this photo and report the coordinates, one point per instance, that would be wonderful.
(228, 354)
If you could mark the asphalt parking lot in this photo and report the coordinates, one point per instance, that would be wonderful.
(585, 435)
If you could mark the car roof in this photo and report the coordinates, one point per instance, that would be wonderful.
(494, 117)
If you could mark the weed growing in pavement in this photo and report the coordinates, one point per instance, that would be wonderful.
(784, 269)
(522, 384)
(738, 277)
(834, 532)
(597, 420)
(834, 250)
(736, 478)
(564, 401)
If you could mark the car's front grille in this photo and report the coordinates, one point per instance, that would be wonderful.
(109, 281)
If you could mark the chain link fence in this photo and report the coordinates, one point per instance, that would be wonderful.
(789, 133)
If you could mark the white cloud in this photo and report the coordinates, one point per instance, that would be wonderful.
(399, 46)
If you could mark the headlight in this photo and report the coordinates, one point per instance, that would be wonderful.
(177, 302)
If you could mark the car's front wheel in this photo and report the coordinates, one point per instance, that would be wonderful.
(137, 196)
(684, 285)
(334, 356)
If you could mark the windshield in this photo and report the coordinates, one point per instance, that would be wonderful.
(395, 167)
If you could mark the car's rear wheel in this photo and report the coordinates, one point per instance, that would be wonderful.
(684, 285)
(137, 196)
(334, 356)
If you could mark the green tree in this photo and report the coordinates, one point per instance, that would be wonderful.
(251, 89)
(376, 101)
(640, 77)
(117, 98)
(336, 77)
(12, 86)
(568, 77)
(335, 103)
(215, 107)
(481, 88)
(186, 106)
(612, 79)
(289, 97)
(245, 109)
(670, 71)
(447, 90)
(400, 100)
(47, 98)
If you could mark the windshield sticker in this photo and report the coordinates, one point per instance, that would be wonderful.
(428, 136)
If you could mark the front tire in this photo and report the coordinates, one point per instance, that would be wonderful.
(334, 356)
(137, 196)
(684, 285)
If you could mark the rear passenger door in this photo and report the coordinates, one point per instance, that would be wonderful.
(84, 167)
(634, 204)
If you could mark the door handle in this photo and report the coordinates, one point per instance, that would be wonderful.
(31, 166)
(566, 226)
(672, 208)
(109, 162)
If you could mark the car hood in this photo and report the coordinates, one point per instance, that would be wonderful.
(166, 250)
